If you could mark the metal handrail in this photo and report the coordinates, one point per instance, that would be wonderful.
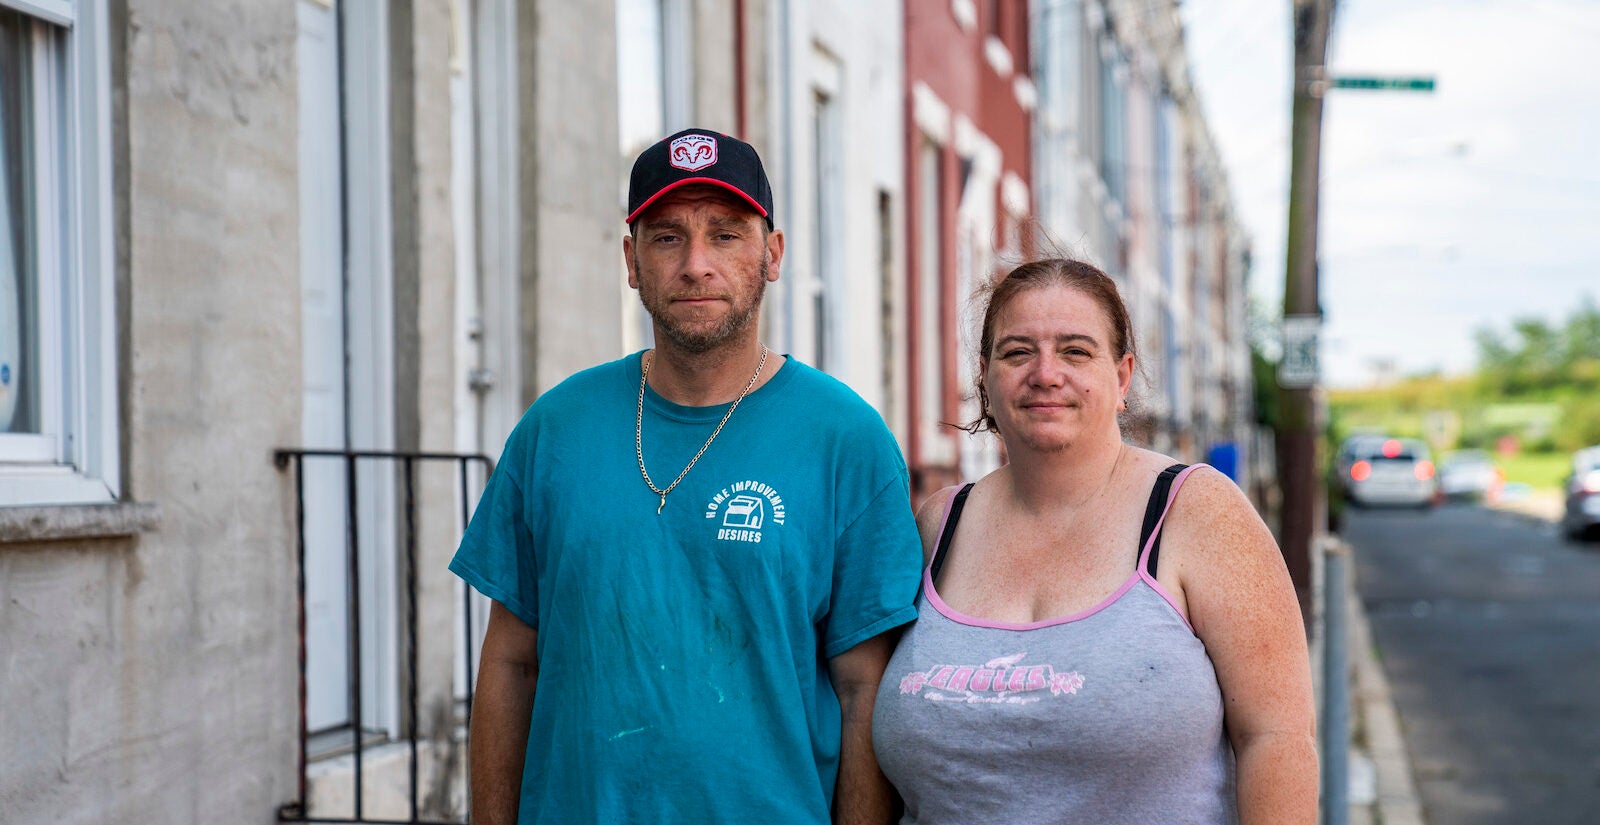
(296, 811)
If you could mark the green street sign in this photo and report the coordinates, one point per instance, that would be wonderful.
(1404, 84)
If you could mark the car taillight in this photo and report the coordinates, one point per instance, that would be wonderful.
(1360, 470)
(1391, 448)
(1424, 470)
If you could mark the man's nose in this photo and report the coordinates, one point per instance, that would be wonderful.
(697, 258)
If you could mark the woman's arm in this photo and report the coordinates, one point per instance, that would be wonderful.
(1242, 605)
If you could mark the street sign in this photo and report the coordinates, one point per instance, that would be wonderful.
(1299, 367)
(1404, 84)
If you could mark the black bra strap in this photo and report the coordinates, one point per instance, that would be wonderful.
(1153, 511)
(941, 550)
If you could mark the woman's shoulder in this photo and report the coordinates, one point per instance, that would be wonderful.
(931, 515)
(1211, 520)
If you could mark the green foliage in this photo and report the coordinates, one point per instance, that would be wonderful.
(1580, 423)
(1536, 382)
(1536, 356)
(1261, 333)
(1264, 375)
(1539, 470)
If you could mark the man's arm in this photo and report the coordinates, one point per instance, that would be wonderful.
(862, 795)
(502, 707)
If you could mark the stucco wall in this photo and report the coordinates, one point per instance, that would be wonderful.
(127, 697)
(571, 311)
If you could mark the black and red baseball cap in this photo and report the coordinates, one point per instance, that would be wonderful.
(699, 156)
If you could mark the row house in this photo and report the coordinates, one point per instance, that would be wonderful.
(1128, 176)
(969, 104)
(277, 280)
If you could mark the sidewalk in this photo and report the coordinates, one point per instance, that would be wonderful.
(1383, 789)
(1543, 505)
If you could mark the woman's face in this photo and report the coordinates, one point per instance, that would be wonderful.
(1053, 374)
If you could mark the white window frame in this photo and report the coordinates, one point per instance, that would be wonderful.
(76, 457)
(670, 82)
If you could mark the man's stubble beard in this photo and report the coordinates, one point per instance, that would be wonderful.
(698, 343)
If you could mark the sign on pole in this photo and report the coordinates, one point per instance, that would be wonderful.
(1299, 365)
(1403, 84)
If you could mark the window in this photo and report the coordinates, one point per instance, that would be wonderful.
(1113, 156)
(58, 421)
(827, 189)
(930, 233)
(654, 100)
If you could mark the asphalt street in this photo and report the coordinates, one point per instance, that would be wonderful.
(1488, 627)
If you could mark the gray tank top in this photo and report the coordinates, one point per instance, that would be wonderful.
(1109, 715)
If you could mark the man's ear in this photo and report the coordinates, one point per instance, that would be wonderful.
(774, 253)
(631, 262)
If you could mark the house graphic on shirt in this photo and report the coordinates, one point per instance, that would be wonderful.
(744, 511)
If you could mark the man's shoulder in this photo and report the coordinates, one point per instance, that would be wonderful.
(612, 376)
(584, 389)
(826, 409)
(818, 392)
(568, 401)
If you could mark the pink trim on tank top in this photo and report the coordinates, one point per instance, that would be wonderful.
(1141, 573)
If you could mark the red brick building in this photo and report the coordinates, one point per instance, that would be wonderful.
(968, 112)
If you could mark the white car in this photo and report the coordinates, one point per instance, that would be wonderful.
(1394, 472)
(1354, 448)
(1581, 517)
(1468, 474)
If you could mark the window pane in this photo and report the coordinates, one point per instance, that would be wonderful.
(19, 403)
(641, 76)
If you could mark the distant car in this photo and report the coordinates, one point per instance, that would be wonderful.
(1392, 471)
(1354, 448)
(1582, 516)
(1467, 474)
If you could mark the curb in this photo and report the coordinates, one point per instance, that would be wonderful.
(1378, 730)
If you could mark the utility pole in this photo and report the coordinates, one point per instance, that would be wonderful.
(1302, 311)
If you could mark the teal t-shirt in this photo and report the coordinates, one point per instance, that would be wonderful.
(683, 656)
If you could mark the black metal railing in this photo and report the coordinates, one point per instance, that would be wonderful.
(406, 464)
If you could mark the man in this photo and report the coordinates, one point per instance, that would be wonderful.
(695, 552)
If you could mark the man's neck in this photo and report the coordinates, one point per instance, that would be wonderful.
(703, 379)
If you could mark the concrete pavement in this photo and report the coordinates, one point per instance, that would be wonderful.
(1383, 784)
(1383, 787)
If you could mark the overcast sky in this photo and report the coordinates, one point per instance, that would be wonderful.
(1442, 212)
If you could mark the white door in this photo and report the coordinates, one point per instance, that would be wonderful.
(346, 365)
(323, 413)
(473, 379)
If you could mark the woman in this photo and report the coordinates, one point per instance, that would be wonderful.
(1067, 665)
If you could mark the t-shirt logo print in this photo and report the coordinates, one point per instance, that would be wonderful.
(691, 153)
(743, 510)
(1001, 680)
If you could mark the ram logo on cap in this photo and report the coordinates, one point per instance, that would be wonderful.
(692, 153)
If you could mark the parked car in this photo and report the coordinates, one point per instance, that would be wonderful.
(1468, 474)
(1354, 448)
(1393, 471)
(1581, 518)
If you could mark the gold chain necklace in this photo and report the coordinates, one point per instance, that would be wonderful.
(638, 430)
